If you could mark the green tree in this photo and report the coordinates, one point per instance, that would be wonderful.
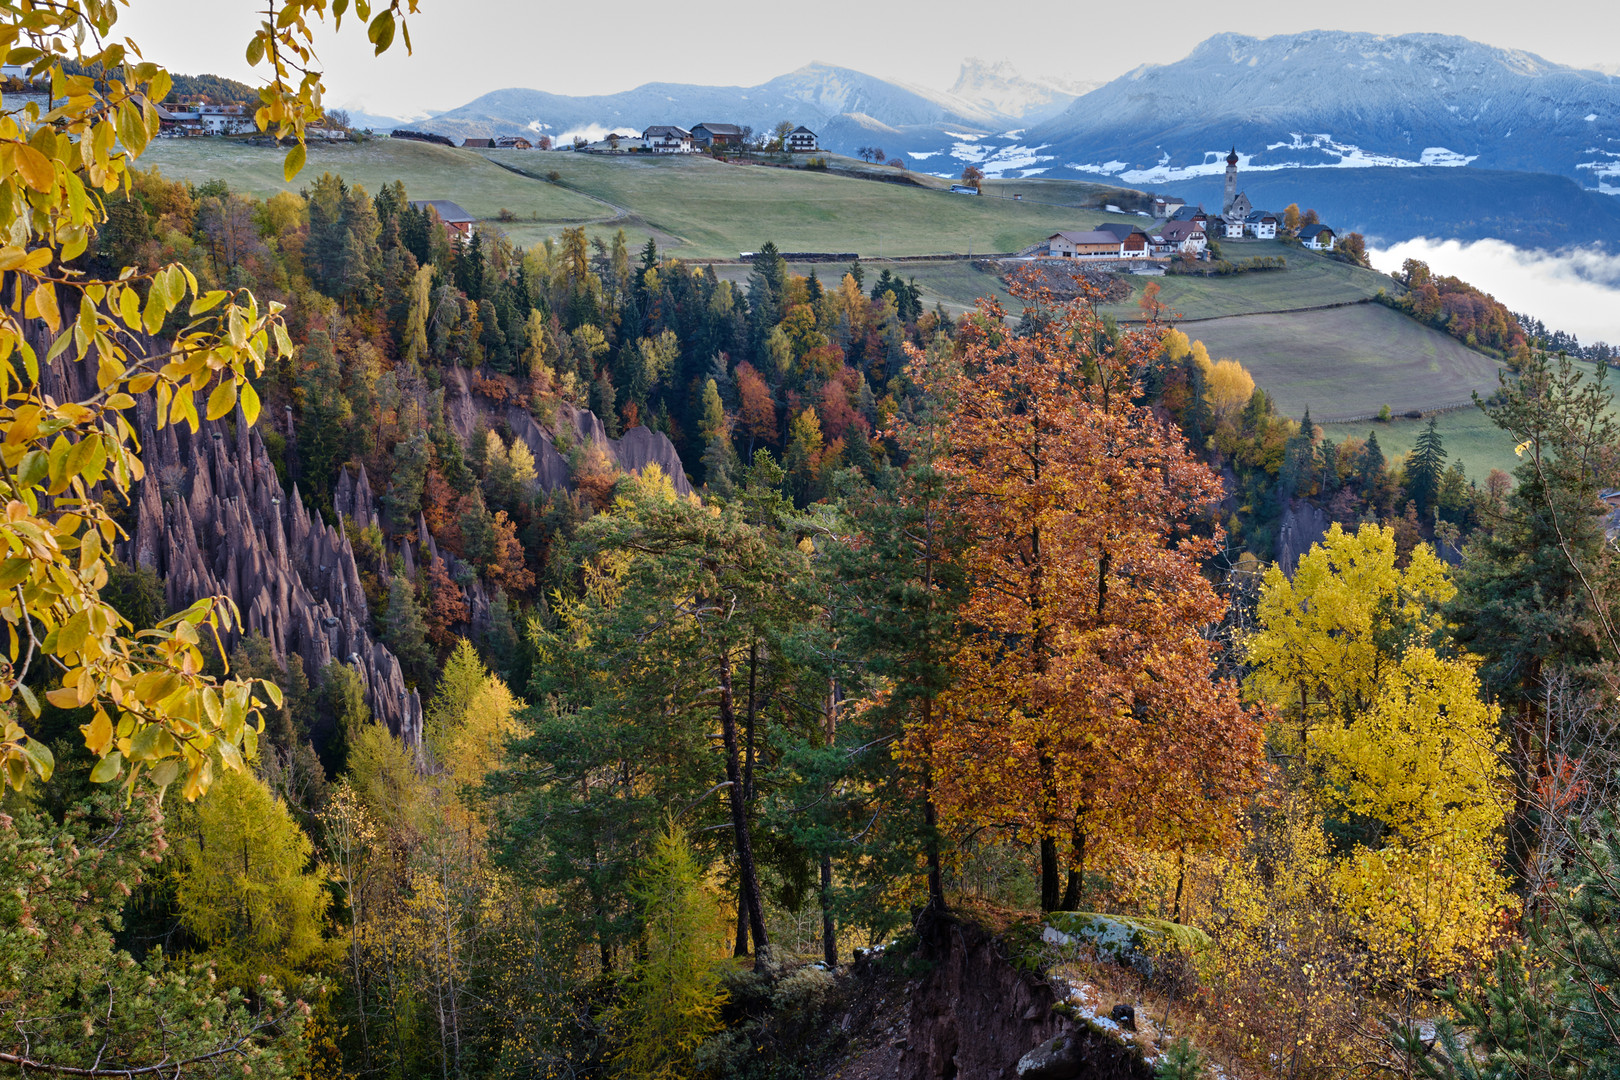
(1425, 468)
(405, 632)
(1535, 589)
(670, 1000)
(245, 886)
(326, 428)
(145, 1015)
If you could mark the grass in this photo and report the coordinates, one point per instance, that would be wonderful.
(430, 172)
(1311, 280)
(1346, 363)
(1467, 435)
(694, 206)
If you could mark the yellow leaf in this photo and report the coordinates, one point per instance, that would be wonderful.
(222, 400)
(35, 167)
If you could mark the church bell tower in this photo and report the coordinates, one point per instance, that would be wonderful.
(1231, 182)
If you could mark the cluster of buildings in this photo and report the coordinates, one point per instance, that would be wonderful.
(669, 139)
(499, 142)
(183, 119)
(1183, 229)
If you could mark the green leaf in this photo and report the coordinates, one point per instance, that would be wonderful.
(165, 771)
(294, 163)
(107, 768)
(255, 50)
(39, 755)
(381, 31)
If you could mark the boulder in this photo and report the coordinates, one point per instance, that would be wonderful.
(1058, 1058)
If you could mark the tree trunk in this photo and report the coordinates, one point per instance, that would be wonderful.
(829, 934)
(741, 948)
(1077, 871)
(1049, 874)
(936, 878)
(748, 878)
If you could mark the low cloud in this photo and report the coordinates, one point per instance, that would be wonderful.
(1577, 291)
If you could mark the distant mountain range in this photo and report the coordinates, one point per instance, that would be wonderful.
(1332, 104)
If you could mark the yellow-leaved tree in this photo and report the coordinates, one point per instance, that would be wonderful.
(66, 441)
(1389, 734)
(1328, 634)
(1424, 764)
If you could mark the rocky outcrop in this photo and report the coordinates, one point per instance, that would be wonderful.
(977, 1015)
(211, 519)
(639, 447)
(1303, 525)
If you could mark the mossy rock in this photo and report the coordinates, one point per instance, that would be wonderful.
(1126, 939)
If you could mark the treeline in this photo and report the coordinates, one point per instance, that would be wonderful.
(1225, 267)
(1559, 341)
(1453, 305)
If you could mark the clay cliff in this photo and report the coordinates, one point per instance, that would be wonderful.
(211, 519)
(638, 448)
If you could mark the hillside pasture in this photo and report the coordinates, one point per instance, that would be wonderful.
(1467, 435)
(429, 172)
(1311, 280)
(1346, 363)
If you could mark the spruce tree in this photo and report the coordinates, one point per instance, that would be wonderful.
(1425, 465)
(405, 632)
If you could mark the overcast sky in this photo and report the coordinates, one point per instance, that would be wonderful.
(468, 47)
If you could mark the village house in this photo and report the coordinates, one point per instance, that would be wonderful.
(512, 142)
(1261, 225)
(1097, 244)
(1166, 206)
(708, 136)
(477, 144)
(1133, 242)
(1185, 236)
(200, 119)
(667, 139)
(801, 140)
(1317, 237)
(457, 221)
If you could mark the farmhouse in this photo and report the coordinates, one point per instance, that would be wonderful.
(1133, 242)
(801, 140)
(1184, 236)
(667, 139)
(1317, 237)
(478, 144)
(1167, 206)
(199, 119)
(1261, 225)
(456, 220)
(511, 142)
(1096, 244)
(708, 136)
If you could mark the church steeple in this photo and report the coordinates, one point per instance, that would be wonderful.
(1231, 182)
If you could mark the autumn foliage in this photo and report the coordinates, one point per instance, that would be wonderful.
(1085, 706)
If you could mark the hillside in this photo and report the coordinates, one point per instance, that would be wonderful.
(695, 207)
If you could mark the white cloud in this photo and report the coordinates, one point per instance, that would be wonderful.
(1577, 291)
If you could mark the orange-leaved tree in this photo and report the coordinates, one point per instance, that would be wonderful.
(1085, 705)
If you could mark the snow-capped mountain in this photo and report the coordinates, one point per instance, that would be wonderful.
(817, 95)
(999, 88)
(1339, 100)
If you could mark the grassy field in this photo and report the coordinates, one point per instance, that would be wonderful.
(1348, 362)
(1310, 281)
(1467, 435)
(694, 206)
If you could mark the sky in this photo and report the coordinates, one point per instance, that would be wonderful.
(464, 48)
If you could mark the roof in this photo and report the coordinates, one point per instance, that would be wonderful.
(1187, 213)
(719, 129)
(449, 212)
(1177, 231)
(1093, 237)
(1170, 200)
(1232, 158)
(1262, 215)
(801, 129)
(666, 131)
(1312, 230)
(1119, 229)
(477, 142)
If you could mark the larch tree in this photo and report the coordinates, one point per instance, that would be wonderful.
(1085, 704)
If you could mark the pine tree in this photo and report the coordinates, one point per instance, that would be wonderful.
(325, 433)
(1425, 466)
(405, 632)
